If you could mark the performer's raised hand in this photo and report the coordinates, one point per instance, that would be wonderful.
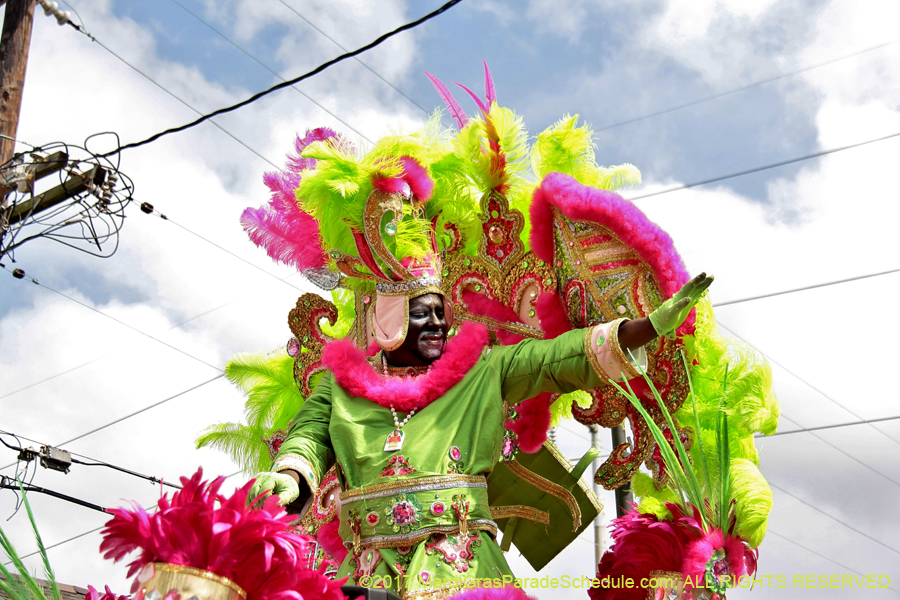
(282, 485)
(674, 311)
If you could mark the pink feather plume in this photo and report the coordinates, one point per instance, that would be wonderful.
(414, 178)
(489, 91)
(453, 106)
(286, 233)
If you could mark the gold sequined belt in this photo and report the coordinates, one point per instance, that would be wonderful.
(405, 512)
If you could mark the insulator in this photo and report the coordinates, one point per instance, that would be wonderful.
(147, 207)
(18, 273)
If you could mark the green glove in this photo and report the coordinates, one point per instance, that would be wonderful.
(674, 311)
(279, 484)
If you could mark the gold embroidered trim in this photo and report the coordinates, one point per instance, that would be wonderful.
(545, 485)
(444, 592)
(295, 462)
(420, 484)
(414, 537)
(558, 455)
(591, 357)
(522, 511)
(624, 362)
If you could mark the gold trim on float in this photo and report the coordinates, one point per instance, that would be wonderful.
(545, 485)
(554, 450)
(185, 580)
(521, 511)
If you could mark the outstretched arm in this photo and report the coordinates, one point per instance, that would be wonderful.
(665, 319)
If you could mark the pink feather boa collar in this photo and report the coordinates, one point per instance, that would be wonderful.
(354, 373)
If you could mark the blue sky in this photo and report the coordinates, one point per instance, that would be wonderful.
(68, 370)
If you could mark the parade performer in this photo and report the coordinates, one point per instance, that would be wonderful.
(472, 306)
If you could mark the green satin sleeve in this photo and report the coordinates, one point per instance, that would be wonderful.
(308, 448)
(532, 366)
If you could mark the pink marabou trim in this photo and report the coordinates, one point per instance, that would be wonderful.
(479, 304)
(331, 541)
(552, 315)
(353, 373)
(583, 203)
(533, 422)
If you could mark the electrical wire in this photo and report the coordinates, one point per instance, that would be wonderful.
(119, 321)
(5, 484)
(270, 70)
(223, 249)
(128, 416)
(819, 510)
(291, 82)
(821, 439)
(95, 529)
(803, 289)
(763, 168)
(183, 101)
(94, 463)
(364, 65)
(834, 426)
(743, 88)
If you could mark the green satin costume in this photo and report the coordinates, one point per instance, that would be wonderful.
(449, 447)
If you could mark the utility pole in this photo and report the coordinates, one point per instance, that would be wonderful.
(14, 43)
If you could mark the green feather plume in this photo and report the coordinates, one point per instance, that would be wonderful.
(729, 378)
(21, 585)
(273, 399)
(568, 148)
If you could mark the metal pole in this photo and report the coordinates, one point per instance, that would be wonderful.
(623, 493)
(598, 521)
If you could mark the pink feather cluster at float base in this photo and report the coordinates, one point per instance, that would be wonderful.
(643, 543)
(200, 528)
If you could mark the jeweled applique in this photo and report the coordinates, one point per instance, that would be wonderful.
(397, 465)
(457, 551)
(364, 563)
(404, 513)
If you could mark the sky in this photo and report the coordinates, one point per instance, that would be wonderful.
(128, 363)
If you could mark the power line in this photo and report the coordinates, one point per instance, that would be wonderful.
(370, 69)
(128, 416)
(834, 426)
(821, 439)
(95, 529)
(95, 463)
(265, 66)
(108, 316)
(743, 88)
(290, 82)
(5, 484)
(163, 88)
(222, 248)
(819, 510)
(763, 168)
(802, 289)
(90, 362)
